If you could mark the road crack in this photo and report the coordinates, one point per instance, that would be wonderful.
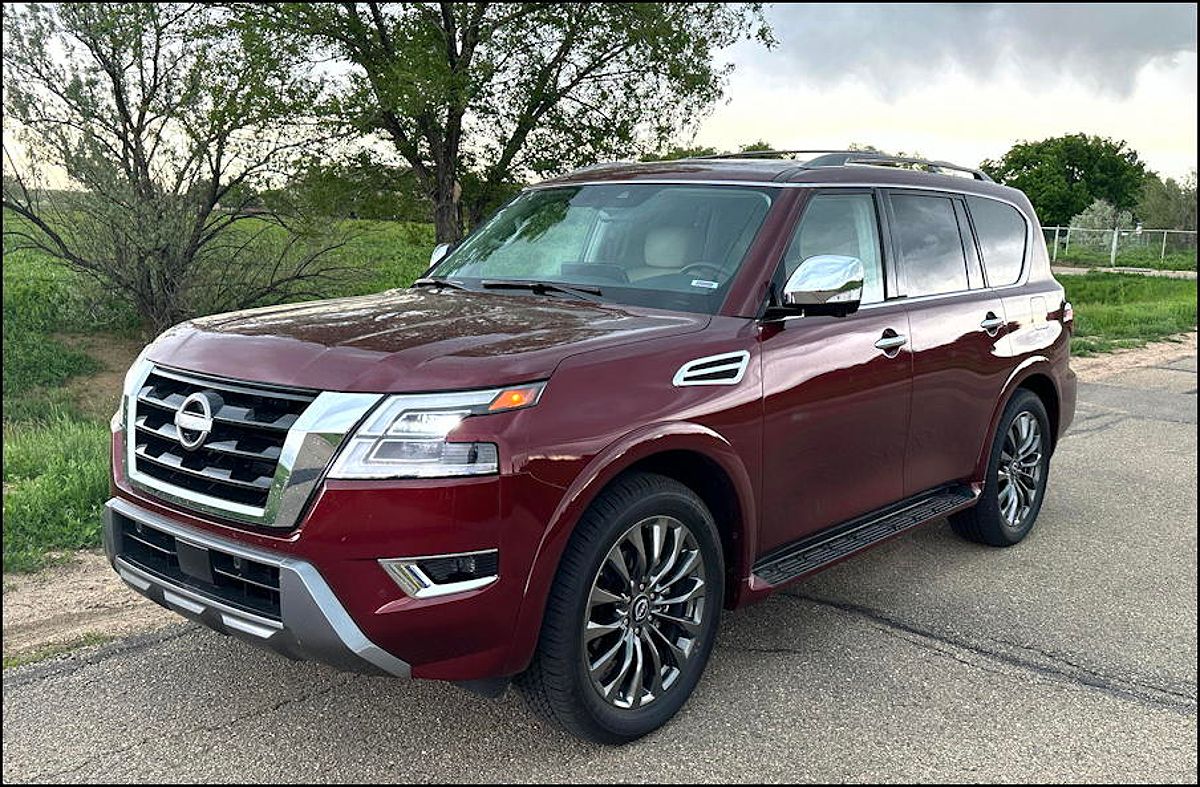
(1045, 663)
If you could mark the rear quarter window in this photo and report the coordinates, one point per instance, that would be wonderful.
(1000, 230)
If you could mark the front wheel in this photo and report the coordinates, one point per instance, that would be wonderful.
(632, 615)
(1018, 468)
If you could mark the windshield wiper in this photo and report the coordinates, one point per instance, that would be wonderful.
(584, 292)
(429, 281)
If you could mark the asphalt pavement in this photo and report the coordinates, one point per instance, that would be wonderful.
(1071, 657)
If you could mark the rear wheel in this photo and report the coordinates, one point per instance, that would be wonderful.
(1018, 468)
(631, 618)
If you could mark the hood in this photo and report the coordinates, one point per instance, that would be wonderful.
(410, 340)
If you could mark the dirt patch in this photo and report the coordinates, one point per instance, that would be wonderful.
(75, 604)
(96, 395)
(1100, 367)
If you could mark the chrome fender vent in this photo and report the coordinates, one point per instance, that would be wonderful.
(723, 369)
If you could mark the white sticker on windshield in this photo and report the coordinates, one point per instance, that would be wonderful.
(708, 285)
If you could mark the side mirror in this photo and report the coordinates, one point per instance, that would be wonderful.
(825, 284)
(439, 253)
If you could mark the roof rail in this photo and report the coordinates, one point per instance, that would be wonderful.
(765, 153)
(843, 158)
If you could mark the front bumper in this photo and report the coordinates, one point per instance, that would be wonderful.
(311, 623)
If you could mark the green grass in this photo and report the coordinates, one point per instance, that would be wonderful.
(1130, 254)
(50, 651)
(55, 482)
(1113, 310)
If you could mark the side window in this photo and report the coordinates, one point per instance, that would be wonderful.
(1001, 233)
(930, 245)
(842, 224)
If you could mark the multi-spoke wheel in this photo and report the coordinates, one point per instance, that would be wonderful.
(1016, 481)
(645, 611)
(632, 615)
(1019, 474)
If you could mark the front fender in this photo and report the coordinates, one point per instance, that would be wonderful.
(615, 459)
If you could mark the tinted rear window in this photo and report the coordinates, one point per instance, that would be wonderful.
(1001, 233)
(930, 246)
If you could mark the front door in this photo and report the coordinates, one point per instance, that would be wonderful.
(836, 390)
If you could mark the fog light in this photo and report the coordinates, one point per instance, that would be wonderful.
(441, 575)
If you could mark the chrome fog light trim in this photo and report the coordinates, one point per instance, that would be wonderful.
(416, 582)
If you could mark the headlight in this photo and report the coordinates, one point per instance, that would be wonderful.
(405, 436)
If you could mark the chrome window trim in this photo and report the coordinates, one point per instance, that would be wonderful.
(416, 584)
(307, 452)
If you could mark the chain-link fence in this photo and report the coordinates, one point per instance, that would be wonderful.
(1135, 248)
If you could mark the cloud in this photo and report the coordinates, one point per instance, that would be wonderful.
(893, 48)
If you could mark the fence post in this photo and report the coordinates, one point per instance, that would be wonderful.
(1067, 247)
(1112, 254)
(1054, 256)
(1163, 256)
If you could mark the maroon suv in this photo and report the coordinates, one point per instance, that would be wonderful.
(637, 395)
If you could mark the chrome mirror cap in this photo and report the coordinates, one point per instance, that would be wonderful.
(439, 253)
(825, 279)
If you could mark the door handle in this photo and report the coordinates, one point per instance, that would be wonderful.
(891, 341)
(992, 323)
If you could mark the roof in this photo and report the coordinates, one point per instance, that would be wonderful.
(859, 169)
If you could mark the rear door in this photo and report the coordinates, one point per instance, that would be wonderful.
(958, 337)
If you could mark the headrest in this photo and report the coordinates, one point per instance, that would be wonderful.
(667, 246)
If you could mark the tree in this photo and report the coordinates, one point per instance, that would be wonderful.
(153, 122)
(499, 90)
(1064, 175)
(359, 187)
(1100, 215)
(1168, 204)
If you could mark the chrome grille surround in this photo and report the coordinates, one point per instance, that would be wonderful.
(312, 426)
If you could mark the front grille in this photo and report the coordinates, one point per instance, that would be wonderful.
(235, 580)
(236, 461)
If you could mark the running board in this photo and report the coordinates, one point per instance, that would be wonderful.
(828, 547)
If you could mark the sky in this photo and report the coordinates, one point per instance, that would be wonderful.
(963, 82)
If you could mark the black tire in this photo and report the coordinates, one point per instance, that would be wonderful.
(986, 522)
(558, 685)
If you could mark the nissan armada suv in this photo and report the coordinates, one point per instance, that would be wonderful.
(638, 395)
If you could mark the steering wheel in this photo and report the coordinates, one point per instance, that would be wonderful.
(696, 266)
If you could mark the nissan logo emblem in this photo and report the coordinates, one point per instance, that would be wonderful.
(194, 419)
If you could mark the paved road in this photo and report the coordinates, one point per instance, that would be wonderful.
(1070, 657)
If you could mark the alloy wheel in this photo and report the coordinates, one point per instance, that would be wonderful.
(645, 612)
(1020, 469)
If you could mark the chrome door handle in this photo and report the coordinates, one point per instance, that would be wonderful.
(889, 343)
(992, 323)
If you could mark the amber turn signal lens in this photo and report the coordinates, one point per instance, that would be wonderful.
(512, 398)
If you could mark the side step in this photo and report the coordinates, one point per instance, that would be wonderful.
(832, 545)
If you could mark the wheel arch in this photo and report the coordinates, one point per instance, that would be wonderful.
(690, 453)
(1034, 374)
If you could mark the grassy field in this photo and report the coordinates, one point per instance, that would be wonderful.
(1114, 310)
(1093, 250)
(66, 346)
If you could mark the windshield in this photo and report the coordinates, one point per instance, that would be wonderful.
(668, 246)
